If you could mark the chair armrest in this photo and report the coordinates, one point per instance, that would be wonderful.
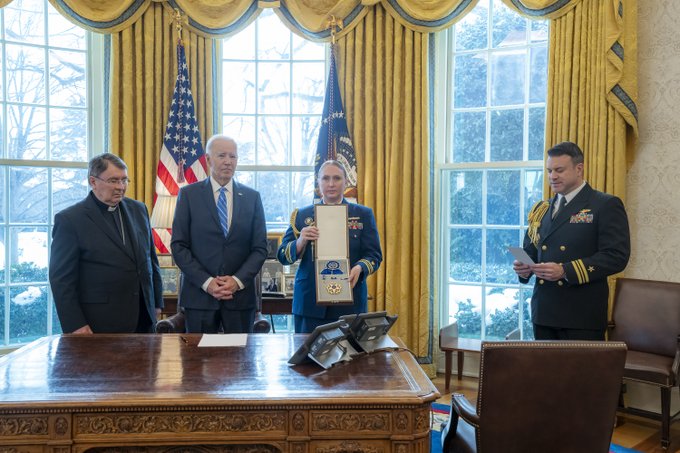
(261, 324)
(676, 360)
(464, 409)
(171, 324)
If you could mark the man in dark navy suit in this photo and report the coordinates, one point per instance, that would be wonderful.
(577, 239)
(365, 254)
(219, 242)
(104, 272)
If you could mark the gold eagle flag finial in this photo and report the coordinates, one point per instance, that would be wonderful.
(334, 24)
(177, 19)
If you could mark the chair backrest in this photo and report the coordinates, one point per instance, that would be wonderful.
(646, 315)
(548, 396)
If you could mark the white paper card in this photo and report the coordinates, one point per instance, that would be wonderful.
(520, 255)
(210, 340)
(331, 220)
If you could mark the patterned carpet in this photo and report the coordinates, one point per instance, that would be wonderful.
(440, 415)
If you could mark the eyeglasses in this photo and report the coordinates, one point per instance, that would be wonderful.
(114, 181)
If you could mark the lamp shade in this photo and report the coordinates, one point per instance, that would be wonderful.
(163, 211)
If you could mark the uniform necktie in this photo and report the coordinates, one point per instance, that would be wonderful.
(560, 206)
(222, 210)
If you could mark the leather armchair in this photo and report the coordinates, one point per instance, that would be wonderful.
(175, 323)
(534, 394)
(646, 317)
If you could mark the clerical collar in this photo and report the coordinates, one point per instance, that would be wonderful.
(103, 206)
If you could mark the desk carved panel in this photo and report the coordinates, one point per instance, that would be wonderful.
(98, 424)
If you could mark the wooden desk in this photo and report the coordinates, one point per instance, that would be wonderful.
(73, 393)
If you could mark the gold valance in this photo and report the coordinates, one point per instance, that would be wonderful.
(308, 18)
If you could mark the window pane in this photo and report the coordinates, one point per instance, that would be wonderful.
(2, 266)
(273, 88)
(28, 254)
(507, 135)
(273, 140)
(25, 74)
(3, 190)
(502, 307)
(539, 74)
(273, 38)
(509, 28)
(63, 33)
(536, 133)
(69, 185)
(469, 136)
(27, 313)
(26, 132)
(238, 91)
(507, 77)
(466, 198)
(56, 325)
(304, 49)
(241, 46)
(469, 89)
(273, 188)
(533, 191)
(241, 129)
(305, 137)
(284, 119)
(2, 314)
(540, 30)
(471, 31)
(465, 302)
(466, 254)
(498, 259)
(527, 325)
(68, 135)
(302, 191)
(246, 177)
(502, 199)
(506, 58)
(24, 21)
(28, 195)
(67, 78)
(308, 87)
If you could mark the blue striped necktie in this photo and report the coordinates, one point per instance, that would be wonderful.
(222, 210)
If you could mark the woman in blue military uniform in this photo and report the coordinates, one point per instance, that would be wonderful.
(364, 252)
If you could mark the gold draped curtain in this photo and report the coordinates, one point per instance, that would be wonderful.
(383, 65)
(380, 60)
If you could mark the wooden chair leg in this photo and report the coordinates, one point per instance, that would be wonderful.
(665, 417)
(447, 370)
(461, 358)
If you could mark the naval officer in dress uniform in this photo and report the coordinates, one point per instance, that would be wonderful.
(365, 254)
(577, 239)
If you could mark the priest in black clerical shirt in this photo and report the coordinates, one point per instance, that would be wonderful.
(104, 271)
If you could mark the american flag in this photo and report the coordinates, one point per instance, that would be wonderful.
(334, 140)
(182, 160)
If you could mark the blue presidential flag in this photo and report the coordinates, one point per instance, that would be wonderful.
(334, 140)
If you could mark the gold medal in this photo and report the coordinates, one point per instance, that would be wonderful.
(334, 288)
